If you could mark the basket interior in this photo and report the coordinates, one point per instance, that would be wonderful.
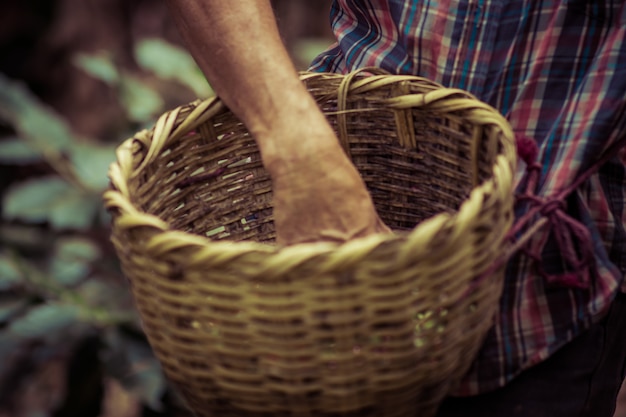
(211, 181)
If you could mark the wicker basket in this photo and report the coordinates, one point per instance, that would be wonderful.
(379, 326)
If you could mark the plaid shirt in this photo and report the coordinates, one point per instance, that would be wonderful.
(557, 70)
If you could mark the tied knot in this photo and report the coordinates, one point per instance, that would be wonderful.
(552, 207)
(572, 238)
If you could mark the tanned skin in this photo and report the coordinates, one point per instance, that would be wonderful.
(318, 194)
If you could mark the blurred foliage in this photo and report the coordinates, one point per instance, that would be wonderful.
(305, 50)
(64, 303)
(60, 282)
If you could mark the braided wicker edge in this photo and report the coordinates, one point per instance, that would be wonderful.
(281, 258)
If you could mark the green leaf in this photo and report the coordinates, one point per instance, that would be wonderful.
(132, 362)
(77, 211)
(44, 320)
(140, 101)
(77, 249)
(10, 274)
(68, 273)
(34, 122)
(91, 164)
(171, 63)
(99, 292)
(72, 259)
(149, 382)
(51, 199)
(32, 200)
(307, 49)
(14, 151)
(10, 308)
(99, 66)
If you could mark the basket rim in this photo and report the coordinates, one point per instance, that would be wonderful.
(117, 197)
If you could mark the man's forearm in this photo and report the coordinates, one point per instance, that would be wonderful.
(317, 193)
(238, 47)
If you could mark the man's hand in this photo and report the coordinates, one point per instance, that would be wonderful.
(319, 195)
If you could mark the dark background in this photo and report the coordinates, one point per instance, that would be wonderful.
(72, 88)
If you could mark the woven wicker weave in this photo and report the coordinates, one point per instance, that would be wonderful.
(380, 326)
